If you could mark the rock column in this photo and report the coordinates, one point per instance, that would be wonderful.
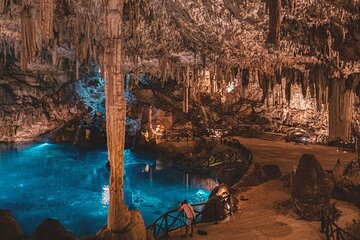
(341, 104)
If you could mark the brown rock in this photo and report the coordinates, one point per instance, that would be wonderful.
(9, 228)
(311, 188)
(338, 172)
(149, 235)
(254, 176)
(52, 229)
(216, 208)
(271, 171)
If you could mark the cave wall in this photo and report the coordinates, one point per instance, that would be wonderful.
(327, 108)
(33, 104)
(300, 111)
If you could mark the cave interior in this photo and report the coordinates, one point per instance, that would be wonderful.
(262, 96)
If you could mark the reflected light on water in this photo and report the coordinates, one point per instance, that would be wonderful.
(105, 195)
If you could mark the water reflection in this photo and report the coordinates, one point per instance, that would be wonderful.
(65, 183)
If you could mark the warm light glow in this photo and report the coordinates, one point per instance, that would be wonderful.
(230, 87)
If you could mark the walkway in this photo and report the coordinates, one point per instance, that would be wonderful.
(267, 216)
(286, 155)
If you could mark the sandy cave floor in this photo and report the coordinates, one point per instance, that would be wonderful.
(267, 214)
(286, 155)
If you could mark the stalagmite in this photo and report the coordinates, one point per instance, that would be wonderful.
(274, 21)
(341, 102)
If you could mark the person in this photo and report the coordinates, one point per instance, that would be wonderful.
(146, 169)
(190, 217)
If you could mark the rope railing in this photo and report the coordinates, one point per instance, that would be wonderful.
(174, 219)
(330, 229)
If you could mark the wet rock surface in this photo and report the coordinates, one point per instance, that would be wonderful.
(52, 229)
(33, 105)
(9, 228)
(311, 189)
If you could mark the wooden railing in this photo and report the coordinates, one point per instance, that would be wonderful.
(240, 155)
(355, 163)
(330, 229)
(346, 146)
(174, 219)
(185, 135)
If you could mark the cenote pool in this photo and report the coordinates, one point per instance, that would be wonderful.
(70, 185)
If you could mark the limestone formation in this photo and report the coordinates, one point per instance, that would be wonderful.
(311, 189)
(250, 65)
(121, 223)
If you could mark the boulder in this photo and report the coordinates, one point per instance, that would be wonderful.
(52, 229)
(216, 208)
(271, 171)
(254, 176)
(338, 172)
(9, 228)
(311, 189)
(149, 235)
(347, 187)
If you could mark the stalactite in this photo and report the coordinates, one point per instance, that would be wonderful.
(264, 84)
(219, 77)
(4, 4)
(163, 63)
(54, 54)
(37, 28)
(186, 90)
(77, 66)
(212, 81)
(288, 74)
(245, 75)
(45, 10)
(274, 21)
(28, 36)
(278, 76)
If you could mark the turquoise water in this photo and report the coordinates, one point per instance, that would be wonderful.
(65, 183)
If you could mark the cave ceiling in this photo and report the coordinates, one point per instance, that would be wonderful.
(211, 34)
